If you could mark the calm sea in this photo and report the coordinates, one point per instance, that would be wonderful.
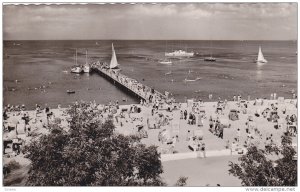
(35, 64)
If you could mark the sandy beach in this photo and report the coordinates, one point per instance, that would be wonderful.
(175, 145)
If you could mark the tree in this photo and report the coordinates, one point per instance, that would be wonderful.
(258, 167)
(91, 153)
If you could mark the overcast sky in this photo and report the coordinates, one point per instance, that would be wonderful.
(202, 21)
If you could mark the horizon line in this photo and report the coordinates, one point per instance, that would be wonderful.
(150, 39)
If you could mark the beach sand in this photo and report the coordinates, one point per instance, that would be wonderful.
(201, 171)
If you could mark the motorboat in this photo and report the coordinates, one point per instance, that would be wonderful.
(70, 91)
(192, 80)
(166, 62)
(211, 59)
(179, 53)
(168, 73)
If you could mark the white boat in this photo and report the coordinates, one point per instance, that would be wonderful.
(168, 73)
(113, 62)
(179, 53)
(211, 59)
(86, 67)
(192, 80)
(260, 58)
(76, 69)
(166, 62)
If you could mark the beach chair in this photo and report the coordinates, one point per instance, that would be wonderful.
(233, 115)
(164, 136)
(21, 128)
(292, 129)
(203, 114)
(219, 110)
(151, 123)
(142, 133)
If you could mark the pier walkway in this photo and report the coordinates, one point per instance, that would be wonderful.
(130, 85)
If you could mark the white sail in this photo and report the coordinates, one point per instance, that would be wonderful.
(260, 57)
(113, 62)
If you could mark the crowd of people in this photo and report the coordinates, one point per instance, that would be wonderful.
(161, 115)
(149, 94)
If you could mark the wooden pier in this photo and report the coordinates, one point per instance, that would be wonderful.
(113, 78)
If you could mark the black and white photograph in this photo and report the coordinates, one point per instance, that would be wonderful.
(150, 94)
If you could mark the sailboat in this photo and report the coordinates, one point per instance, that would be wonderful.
(76, 68)
(113, 62)
(260, 58)
(86, 67)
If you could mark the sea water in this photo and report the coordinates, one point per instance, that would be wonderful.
(38, 72)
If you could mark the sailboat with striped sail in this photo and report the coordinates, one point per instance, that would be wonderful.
(113, 62)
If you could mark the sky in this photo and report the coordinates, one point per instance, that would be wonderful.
(180, 21)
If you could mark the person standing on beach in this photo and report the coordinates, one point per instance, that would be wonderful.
(203, 149)
(174, 140)
(221, 129)
(185, 114)
(26, 120)
(238, 135)
(200, 121)
(188, 135)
